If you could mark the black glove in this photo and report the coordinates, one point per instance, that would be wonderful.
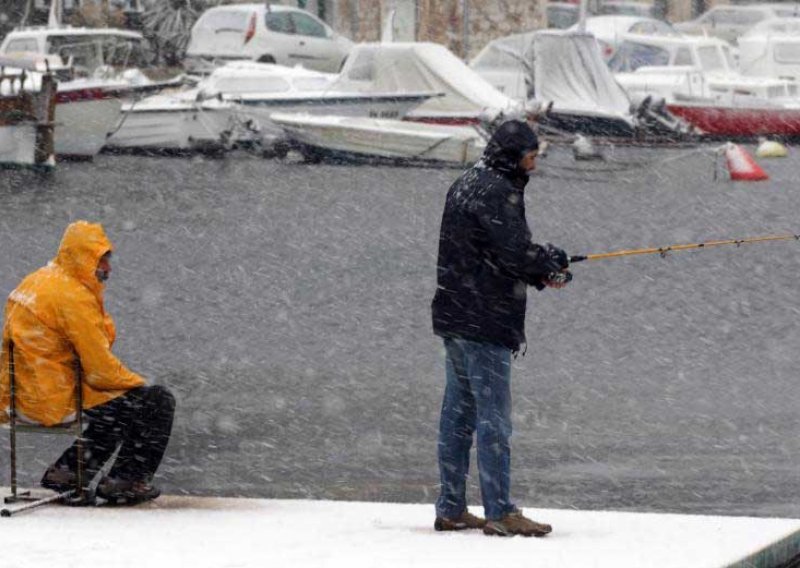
(556, 258)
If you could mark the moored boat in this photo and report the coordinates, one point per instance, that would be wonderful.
(358, 139)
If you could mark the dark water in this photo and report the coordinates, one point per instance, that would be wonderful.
(288, 307)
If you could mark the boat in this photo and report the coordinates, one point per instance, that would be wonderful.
(414, 67)
(259, 89)
(97, 72)
(771, 49)
(564, 72)
(26, 117)
(697, 81)
(361, 139)
(175, 122)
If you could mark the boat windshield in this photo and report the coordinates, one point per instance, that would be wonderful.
(632, 55)
(711, 59)
(88, 52)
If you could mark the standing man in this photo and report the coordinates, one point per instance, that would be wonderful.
(55, 319)
(486, 262)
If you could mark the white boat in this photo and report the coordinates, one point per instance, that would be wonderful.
(175, 122)
(343, 138)
(771, 49)
(26, 118)
(263, 88)
(698, 80)
(563, 70)
(91, 90)
(414, 67)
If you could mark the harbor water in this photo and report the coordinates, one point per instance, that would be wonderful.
(288, 307)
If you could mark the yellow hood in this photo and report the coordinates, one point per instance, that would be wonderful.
(81, 247)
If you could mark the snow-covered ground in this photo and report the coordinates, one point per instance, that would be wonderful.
(220, 533)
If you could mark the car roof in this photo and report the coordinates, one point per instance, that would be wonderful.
(615, 24)
(261, 7)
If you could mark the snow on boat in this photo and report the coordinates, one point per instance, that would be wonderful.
(415, 67)
(26, 117)
(696, 78)
(384, 140)
(91, 91)
(565, 71)
(263, 88)
(175, 122)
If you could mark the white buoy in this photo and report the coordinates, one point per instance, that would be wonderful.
(770, 149)
(584, 149)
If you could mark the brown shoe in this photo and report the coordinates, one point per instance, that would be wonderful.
(464, 521)
(516, 523)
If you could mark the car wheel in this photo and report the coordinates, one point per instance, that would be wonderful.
(266, 59)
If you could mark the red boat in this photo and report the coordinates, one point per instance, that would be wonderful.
(740, 121)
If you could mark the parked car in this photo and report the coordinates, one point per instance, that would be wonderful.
(611, 30)
(729, 22)
(267, 33)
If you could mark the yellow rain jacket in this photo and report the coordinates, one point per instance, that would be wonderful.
(55, 316)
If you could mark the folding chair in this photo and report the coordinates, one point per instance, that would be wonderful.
(16, 425)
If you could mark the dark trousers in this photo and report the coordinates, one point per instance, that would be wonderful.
(139, 422)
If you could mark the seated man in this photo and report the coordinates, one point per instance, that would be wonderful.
(58, 324)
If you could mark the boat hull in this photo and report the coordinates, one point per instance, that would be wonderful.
(740, 122)
(191, 129)
(388, 107)
(382, 140)
(575, 123)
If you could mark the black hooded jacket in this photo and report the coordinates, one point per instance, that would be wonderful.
(486, 257)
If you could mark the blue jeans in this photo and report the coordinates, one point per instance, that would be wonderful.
(477, 396)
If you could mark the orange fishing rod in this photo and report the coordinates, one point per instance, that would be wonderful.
(677, 248)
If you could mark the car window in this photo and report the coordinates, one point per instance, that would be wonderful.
(561, 18)
(279, 22)
(748, 17)
(308, 26)
(787, 53)
(642, 28)
(631, 55)
(710, 59)
(497, 56)
(22, 45)
(683, 57)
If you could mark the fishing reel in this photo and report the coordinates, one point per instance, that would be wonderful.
(560, 277)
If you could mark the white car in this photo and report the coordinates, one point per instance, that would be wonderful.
(267, 33)
(610, 31)
(730, 21)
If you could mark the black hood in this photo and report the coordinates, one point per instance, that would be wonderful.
(508, 145)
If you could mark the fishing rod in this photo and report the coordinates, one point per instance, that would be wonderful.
(677, 248)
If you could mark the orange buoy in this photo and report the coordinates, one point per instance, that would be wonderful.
(741, 165)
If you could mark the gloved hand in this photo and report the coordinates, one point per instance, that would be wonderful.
(556, 259)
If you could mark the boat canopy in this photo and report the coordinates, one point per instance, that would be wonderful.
(251, 77)
(562, 67)
(421, 67)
